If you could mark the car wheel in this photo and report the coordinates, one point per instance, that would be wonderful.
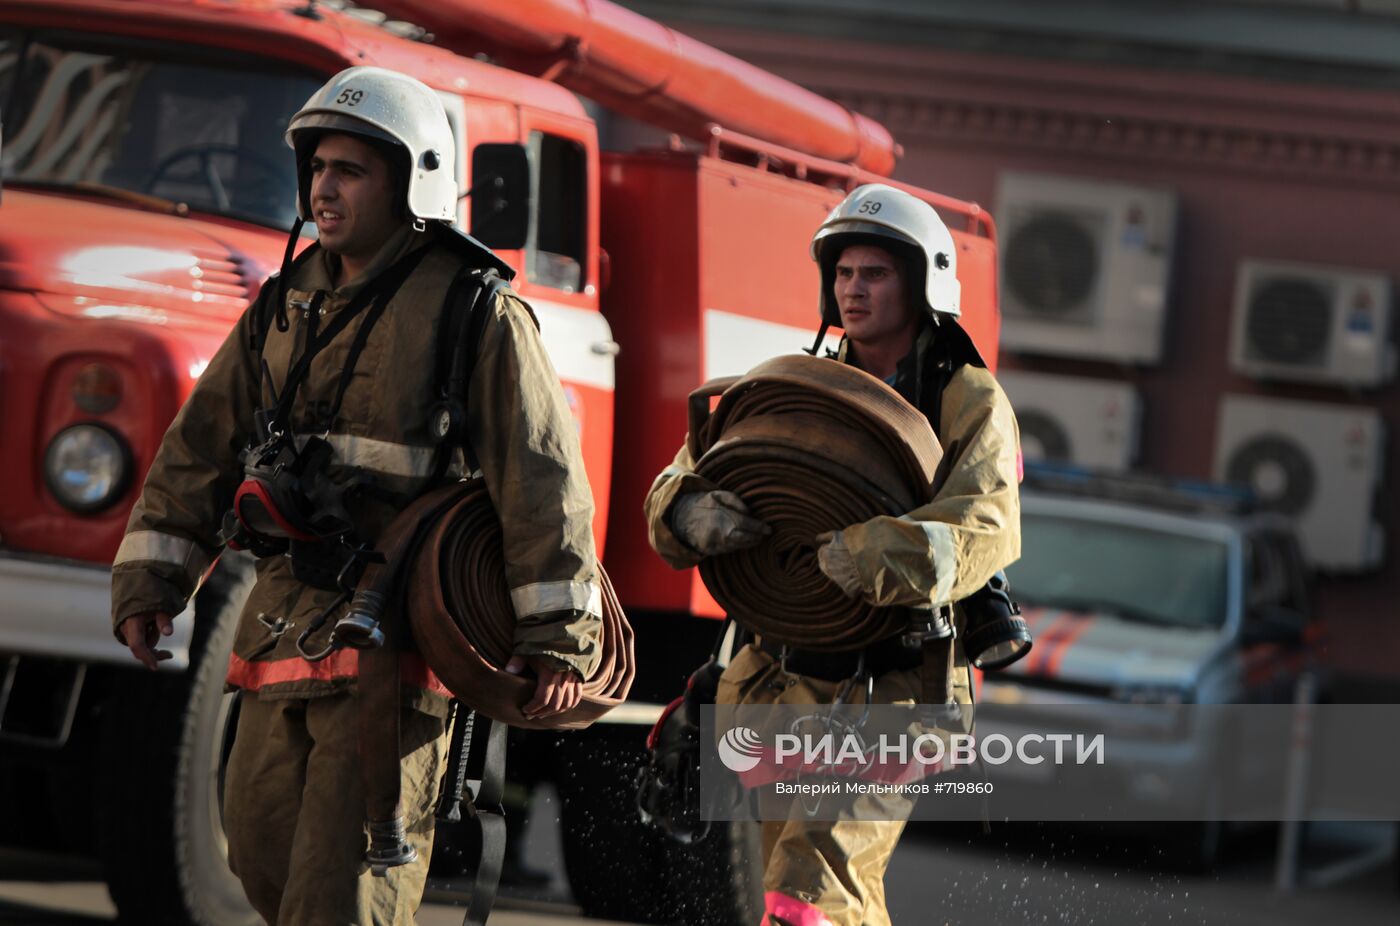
(165, 743)
(620, 868)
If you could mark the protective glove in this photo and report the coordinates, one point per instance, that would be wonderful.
(716, 522)
(837, 564)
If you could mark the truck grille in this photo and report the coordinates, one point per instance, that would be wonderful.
(221, 275)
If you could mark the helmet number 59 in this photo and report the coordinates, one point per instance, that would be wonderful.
(869, 206)
(350, 97)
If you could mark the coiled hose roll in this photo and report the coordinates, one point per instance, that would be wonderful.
(446, 551)
(810, 445)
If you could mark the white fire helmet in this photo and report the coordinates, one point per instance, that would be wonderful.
(389, 107)
(901, 223)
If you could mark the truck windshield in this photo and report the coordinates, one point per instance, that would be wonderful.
(91, 116)
(1140, 575)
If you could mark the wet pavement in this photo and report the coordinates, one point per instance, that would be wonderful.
(941, 874)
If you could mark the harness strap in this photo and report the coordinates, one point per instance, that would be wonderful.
(385, 285)
(457, 353)
(936, 671)
(489, 820)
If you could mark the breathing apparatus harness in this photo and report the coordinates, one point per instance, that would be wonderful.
(288, 503)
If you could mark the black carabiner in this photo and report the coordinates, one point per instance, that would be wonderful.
(332, 645)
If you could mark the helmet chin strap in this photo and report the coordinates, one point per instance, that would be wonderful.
(281, 316)
(817, 344)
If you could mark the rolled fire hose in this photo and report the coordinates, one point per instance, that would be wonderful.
(444, 563)
(444, 551)
(810, 445)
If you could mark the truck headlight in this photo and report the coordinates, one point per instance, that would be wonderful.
(87, 467)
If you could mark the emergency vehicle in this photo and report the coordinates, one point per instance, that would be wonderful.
(1148, 591)
(657, 197)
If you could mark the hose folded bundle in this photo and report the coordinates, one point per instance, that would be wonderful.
(810, 445)
(446, 551)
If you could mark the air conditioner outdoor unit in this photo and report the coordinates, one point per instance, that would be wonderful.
(1072, 419)
(1084, 267)
(1318, 464)
(1310, 323)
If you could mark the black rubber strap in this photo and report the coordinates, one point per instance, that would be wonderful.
(935, 376)
(452, 324)
(458, 346)
(465, 353)
(936, 672)
(386, 285)
(488, 816)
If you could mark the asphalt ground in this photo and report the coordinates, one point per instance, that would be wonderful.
(941, 874)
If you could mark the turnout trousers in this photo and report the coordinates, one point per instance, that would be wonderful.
(294, 808)
(821, 872)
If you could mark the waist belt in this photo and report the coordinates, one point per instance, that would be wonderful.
(811, 445)
(888, 655)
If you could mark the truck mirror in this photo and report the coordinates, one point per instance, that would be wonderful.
(500, 196)
(1274, 624)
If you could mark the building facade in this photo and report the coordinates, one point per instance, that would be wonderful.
(1198, 207)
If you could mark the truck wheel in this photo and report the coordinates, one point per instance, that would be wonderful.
(165, 742)
(622, 869)
(719, 880)
(615, 864)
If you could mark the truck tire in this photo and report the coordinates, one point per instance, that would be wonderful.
(719, 880)
(615, 864)
(165, 741)
(622, 869)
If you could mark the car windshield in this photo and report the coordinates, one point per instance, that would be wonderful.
(85, 114)
(1149, 576)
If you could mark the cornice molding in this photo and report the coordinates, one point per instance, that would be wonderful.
(1331, 136)
(1322, 156)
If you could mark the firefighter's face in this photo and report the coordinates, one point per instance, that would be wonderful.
(352, 197)
(870, 293)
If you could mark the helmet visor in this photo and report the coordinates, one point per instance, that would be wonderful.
(325, 121)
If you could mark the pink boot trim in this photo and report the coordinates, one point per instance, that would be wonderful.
(793, 911)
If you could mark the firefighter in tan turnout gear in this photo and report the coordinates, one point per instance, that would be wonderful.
(889, 280)
(324, 412)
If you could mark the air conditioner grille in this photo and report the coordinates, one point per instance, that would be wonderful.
(1279, 472)
(1052, 263)
(1290, 321)
(1043, 438)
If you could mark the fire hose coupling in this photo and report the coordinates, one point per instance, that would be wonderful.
(359, 628)
(388, 846)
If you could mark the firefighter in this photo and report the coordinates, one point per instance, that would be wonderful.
(339, 355)
(888, 271)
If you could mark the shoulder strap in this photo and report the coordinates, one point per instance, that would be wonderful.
(273, 294)
(952, 350)
(466, 311)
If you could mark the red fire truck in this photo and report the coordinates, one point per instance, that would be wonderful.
(657, 197)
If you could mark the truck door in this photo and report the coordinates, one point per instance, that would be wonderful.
(557, 263)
